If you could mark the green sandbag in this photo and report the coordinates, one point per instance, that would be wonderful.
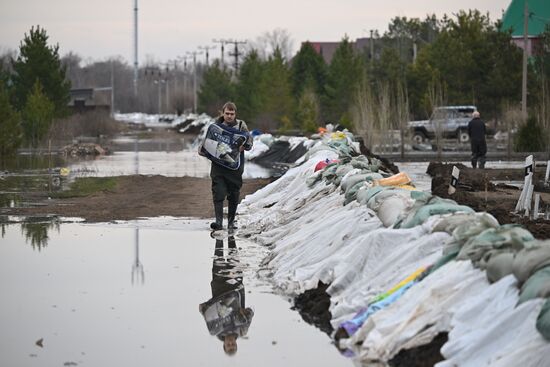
(535, 255)
(351, 193)
(538, 285)
(505, 238)
(543, 320)
(341, 172)
(361, 177)
(423, 213)
(498, 265)
(361, 162)
(329, 172)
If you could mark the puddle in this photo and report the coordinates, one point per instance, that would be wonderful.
(171, 164)
(129, 294)
(423, 181)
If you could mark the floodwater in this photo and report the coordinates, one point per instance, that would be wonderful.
(119, 294)
(423, 181)
(172, 164)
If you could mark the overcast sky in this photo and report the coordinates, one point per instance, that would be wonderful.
(98, 29)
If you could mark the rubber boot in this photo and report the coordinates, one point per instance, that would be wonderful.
(218, 210)
(231, 212)
(474, 163)
(482, 163)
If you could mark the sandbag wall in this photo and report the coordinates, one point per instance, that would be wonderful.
(403, 265)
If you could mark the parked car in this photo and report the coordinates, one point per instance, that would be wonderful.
(451, 121)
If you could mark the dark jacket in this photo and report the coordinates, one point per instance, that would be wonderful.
(476, 130)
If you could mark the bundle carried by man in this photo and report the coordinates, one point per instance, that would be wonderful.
(222, 145)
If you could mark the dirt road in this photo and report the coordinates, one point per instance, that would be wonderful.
(140, 196)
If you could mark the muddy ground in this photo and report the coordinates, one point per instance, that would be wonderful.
(139, 196)
(478, 190)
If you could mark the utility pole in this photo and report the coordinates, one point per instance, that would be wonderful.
(222, 42)
(135, 47)
(184, 59)
(158, 82)
(236, 53)
(206, 48)
(195, 53)
(524, 71)
(112, 89)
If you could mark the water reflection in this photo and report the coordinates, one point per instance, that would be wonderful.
(9, 200)
(138, 273)
(36, 232)
(226, 314)
(23, 162)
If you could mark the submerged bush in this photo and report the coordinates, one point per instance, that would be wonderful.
(94, 124)
(530, 137)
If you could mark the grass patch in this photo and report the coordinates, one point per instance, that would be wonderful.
(86, 186)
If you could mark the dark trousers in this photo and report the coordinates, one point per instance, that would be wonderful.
(479, 149)
(226, 183)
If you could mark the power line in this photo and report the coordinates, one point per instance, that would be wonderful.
(223, 42)
(236, 53)
(206, 48)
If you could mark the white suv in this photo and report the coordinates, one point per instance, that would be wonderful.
(451, 121)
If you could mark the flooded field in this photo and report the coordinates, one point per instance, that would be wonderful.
(171, 164)
(129, 294)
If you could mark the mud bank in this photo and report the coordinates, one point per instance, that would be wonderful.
(478, 190)
(136, 197)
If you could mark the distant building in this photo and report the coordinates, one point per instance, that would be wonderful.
(86, 99)
(539, 17)
(327, 49)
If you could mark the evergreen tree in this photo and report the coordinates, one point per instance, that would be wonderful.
(502, 83)
(308, 111)
(38, 61)
(37, 114)
(10, 125)
(476, 62)
(250, 89)
(279, 103)
(308, 70)
(344, 72)
(389, 67)
(216, 89)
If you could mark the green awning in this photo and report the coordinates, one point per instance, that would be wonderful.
(539, 16)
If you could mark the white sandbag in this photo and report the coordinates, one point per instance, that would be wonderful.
(489, 330)
(422, 313)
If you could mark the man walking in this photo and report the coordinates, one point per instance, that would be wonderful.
(476, 130)
(227, 182)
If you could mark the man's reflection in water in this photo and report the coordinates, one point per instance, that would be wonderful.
(225, 313)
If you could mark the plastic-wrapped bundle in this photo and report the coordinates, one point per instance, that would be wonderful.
(222, 145)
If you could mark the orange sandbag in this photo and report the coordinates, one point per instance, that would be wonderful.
(399, 179)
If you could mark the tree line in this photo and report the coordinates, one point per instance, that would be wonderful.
(400, 75)
(403, 74)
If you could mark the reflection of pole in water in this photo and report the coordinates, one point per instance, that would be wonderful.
(136, 151)
(138, 274)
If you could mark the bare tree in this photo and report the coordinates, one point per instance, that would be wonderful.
(544, 111)
(436, 97)
(512, 118)
(364, 112)
(268, 42)
(402, 113)
(385, 114)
